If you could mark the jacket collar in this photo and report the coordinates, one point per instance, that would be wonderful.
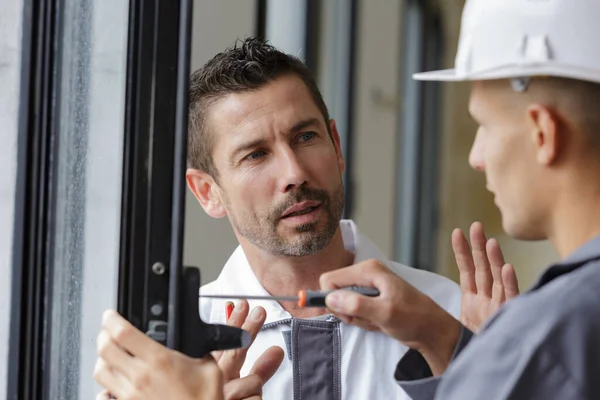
(588, 252)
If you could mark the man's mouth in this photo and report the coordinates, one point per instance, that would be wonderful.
(303, 208)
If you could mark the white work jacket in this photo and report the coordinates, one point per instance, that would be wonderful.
(325, 359)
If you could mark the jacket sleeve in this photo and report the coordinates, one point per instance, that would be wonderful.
(414, 375)
(497, 366)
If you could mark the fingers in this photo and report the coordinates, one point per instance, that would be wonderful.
(239, 314)
(250, 386)
(361, 323)
(349, 304)
(494, 253)
(114, 355)
(267, 364)
(217, 355)
(243, 388)
(226, 359)
(232, 361)
(104, 375)
(228, 310)
(511, 284)
(496, 260)
(104, 395)
(367, 273)
(464, 260)
(229, 307)
(123, 333)
(483, 275)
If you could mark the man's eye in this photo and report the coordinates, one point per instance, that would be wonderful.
(255, 155)
(305, 137)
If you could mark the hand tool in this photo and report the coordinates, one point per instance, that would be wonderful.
(305, 298)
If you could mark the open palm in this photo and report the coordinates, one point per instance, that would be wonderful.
(485, 279)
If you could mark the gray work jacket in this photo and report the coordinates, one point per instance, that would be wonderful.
(544, 344)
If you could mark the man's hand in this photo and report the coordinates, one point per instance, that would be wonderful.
(231, 361)
(485, 279)
(133, 366)
(400, 311)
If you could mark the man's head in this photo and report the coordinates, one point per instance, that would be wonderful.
(262, 150)
(533, 65)
(534, 145)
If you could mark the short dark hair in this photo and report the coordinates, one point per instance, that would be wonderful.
(249, 64)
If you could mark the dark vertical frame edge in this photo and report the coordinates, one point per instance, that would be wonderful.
(179, 166)
(352, 57)
(20, 207)
(34, 201)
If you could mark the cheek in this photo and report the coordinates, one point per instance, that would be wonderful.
(250, 190)
(496, 156)
(508, 165)
(324, 163)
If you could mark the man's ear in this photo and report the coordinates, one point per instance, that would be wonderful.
(336, 142)
(545, 134)
(206, 191)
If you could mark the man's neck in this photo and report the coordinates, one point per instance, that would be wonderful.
(577, 217)
(285, 276)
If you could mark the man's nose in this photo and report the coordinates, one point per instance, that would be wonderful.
(292, 173)
(476, 156)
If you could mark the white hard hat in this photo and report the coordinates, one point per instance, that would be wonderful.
(522, 38)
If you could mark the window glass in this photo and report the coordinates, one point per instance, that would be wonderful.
(11, 18)
(91, 99)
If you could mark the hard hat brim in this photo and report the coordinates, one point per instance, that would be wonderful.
(445, 75)
(451, 75)
(512, 71)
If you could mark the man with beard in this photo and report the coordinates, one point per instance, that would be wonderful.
(264, 153)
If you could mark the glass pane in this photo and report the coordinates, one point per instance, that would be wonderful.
(11, 19)
(91, 97)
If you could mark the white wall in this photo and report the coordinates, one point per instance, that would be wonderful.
(209, 242)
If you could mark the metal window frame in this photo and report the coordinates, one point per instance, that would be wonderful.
(150, 266)
(153, 180)
(261, 19)
(34, 203)
(156, 292)
(417, 206)
(344, 89)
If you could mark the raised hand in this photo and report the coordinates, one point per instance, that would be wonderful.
(231, 361)
(486, 280)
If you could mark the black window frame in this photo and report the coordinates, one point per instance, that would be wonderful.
(34, 199)
(154, 154)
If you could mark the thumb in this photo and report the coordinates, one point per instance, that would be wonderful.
(352, 304)
(268, 363)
